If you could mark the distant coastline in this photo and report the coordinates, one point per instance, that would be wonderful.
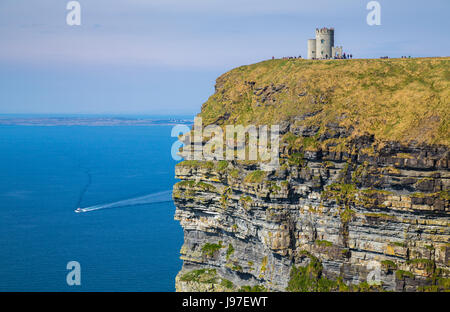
(91, 121)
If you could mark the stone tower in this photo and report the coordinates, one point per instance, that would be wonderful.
(336, 52)
(311, 49)
(323, 46)
(324, 43)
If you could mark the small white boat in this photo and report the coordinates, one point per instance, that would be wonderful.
(78, 210)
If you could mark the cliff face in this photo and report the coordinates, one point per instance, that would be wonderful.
(350, 207)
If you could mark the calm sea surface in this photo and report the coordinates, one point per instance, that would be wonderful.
(43, 174)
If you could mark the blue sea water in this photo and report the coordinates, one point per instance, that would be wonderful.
(43, 171)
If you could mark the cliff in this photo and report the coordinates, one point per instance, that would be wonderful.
(360, 200)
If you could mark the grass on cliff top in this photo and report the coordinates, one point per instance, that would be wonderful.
(394, 99)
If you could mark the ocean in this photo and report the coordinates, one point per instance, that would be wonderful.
(47, 171)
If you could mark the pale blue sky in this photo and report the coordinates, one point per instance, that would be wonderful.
(162, 56)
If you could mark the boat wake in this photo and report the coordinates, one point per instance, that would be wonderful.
(159, 197)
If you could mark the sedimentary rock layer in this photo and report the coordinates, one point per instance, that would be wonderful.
(345, 210)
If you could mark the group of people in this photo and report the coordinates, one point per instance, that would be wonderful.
(343, 57)
(386, 57)
(289, 57)
(338, 57)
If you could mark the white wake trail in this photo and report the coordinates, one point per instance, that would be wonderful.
(159, 197)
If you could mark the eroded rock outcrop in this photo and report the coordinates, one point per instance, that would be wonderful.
(345, 211)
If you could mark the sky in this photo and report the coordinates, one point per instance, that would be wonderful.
(162, 56)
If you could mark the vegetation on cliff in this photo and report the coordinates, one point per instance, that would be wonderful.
(358, 203)
(393, 99)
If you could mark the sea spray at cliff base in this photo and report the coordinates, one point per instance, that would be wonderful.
(159, 197)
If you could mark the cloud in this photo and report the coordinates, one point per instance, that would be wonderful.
(193, 33)
(240, 7)
(150, 50)
(189, 33)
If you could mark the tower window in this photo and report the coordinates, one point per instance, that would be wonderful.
(322, 41)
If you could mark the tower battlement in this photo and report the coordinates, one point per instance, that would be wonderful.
(324, 30)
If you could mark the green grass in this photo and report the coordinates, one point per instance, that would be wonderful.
(234, 173)
(222, 165)
(190, 184)
(389, 265)
(256, 288)
(399, 244)
(234, 267)
(323, 243)
(230, 251)
(296, 159)
(346, 196)
(376, 96)
(210, 249)
(256, 176)
(200, 276)
(309, 278)
(226, 283)
(427, 264)
(443, 195)
(246, 199)
(382, 216)
(264, 264)
(401, 274)
(196, 164)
